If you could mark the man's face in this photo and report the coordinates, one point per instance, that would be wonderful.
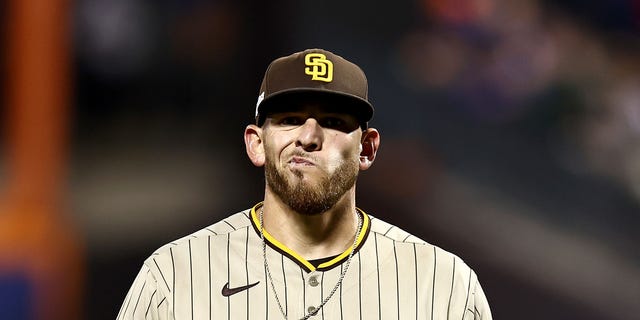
(311, 156)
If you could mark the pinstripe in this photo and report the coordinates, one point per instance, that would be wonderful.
(467, 299)
(433, 283)
(173, 268)
(473, 292)
(162, 275)
(230, 225)
(209, 260)
(341, 312)
(375, 238)
(284, 278)
(135, 308)
(304, 292)
(161, 301)
(360, 285)
(191, 277)
(415, 267)
(150, 301)
(395, 258)
(246, 266)
(266, 292)
(228, 276)
(453, 279)
(322, 293)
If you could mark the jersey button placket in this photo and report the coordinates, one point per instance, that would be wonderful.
(313, 281)
(314, 290)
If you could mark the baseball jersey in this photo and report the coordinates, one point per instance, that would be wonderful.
(219, 273)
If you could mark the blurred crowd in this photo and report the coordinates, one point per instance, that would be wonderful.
(502, 61)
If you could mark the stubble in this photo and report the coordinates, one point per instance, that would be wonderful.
(308, 197)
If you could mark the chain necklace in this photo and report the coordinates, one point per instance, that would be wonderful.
(335, 288)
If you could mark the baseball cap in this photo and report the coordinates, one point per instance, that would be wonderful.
(315, 74)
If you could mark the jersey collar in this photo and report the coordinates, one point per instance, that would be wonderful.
(305, 264)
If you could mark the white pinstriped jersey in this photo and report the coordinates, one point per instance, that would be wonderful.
(393, 275)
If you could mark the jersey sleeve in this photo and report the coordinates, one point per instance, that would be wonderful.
(481, 310)
(144, 299)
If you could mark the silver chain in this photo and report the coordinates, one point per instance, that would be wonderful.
(335, 288)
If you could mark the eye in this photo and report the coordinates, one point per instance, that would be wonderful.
(332, 122)
(344, 123)
(290, 121)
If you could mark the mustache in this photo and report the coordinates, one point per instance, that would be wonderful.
(302, 154)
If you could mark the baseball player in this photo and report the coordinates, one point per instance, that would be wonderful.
(306, 251)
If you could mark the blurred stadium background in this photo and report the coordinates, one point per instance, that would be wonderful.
(510, 136)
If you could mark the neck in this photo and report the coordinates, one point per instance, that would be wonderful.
(312, 236)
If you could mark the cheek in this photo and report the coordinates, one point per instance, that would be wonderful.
(273, 147)
(340, 157)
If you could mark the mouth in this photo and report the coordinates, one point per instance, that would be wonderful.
(298, 161)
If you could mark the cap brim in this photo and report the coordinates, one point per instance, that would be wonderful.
(347, 103)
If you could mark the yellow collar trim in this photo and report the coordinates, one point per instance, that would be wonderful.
(299, 259)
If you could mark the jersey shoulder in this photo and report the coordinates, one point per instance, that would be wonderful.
(424, 249)
(393, 232)
(435, 269)
(230, 224)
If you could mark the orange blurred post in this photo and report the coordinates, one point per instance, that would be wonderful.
(37, 240)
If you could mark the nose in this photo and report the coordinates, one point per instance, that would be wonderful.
(310, 135)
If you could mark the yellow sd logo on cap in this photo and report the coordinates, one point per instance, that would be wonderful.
(318, 67)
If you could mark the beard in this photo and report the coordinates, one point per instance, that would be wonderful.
(307, 197)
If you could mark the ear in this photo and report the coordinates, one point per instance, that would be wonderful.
(369, 147)
(253, 144)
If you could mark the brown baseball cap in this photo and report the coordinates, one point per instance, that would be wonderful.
(314, 74)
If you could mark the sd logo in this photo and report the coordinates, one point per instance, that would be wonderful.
(318, 67)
